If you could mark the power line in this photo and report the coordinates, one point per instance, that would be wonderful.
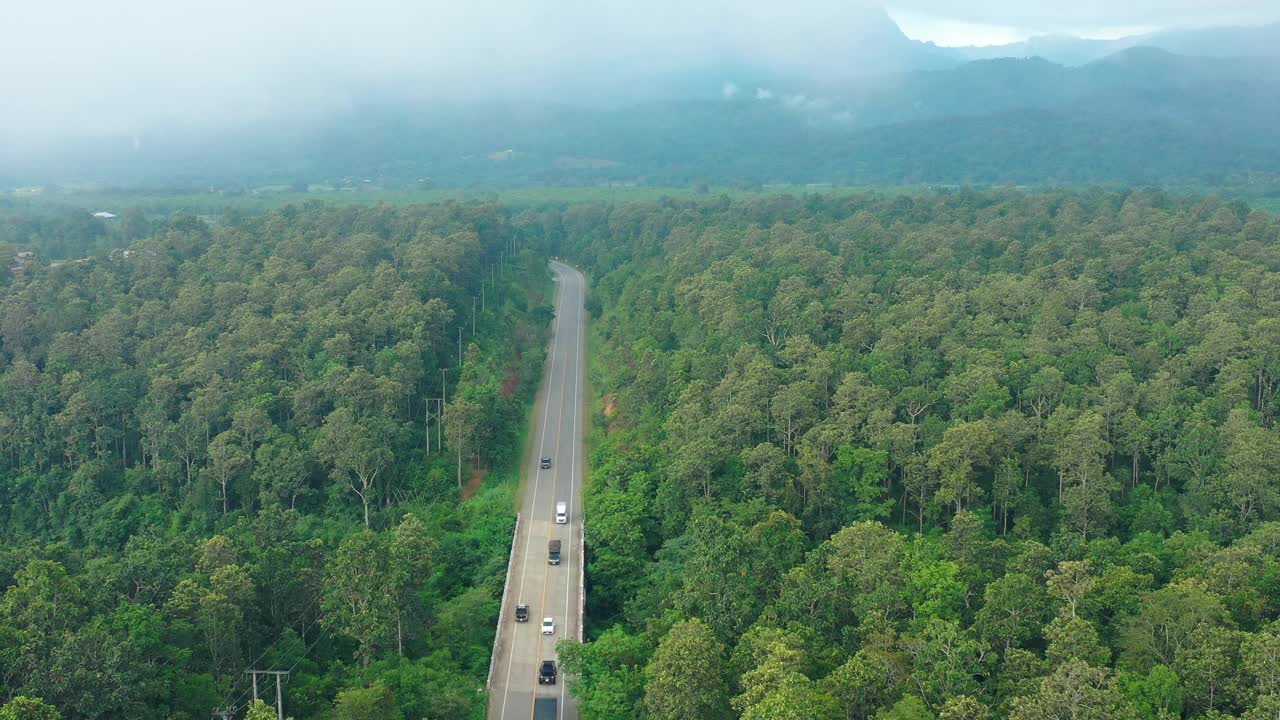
(278, 673)
(237, 704)
(240, 678)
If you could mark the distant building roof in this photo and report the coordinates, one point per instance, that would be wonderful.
(104, 214)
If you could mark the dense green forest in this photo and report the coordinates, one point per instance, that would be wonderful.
(952, 456)
(65, 231)
(958, 456)
(213, 457)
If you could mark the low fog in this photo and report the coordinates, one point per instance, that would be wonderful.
(78, 67)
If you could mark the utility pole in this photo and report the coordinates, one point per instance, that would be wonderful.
(459, 346)
(440, 420)
(435, 411)
(473, 312)
(482, 295)
(279, 692)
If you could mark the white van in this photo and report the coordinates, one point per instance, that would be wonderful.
(562, 513)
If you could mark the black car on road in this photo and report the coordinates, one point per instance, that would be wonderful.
(547, 673)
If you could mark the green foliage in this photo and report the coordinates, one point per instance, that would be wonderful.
(1154, 695)
(863, 476)
(685, 678)
(908, 708)
(1077, 691)
(213, 452)
(924, 456)
(259, 710)
(958, 455)
(25, 708)
(375, 702)
(609, 673)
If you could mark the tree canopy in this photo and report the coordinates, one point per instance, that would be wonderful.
(959, 454)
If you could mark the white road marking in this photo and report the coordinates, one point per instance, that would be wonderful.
(573, 463)
(537, 478)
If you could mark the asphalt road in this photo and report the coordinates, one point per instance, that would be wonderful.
(548, 590)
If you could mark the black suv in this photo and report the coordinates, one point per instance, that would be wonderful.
(547, 673)
(546, 463)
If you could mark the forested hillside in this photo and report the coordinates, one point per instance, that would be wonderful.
(1139, 117)
(213, 457)
(954, 456)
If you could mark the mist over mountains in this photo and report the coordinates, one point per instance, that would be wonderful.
(1260, 41)
(867, 106)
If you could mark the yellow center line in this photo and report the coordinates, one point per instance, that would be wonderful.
(564, 371)
(537, 479)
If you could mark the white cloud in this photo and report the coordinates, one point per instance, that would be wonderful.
(994, 22)
(948, 32)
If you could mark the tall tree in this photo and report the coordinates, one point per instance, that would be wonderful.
(1075, 691)
(686, 675)
(227, 461)
(360, 599)
(356, 454)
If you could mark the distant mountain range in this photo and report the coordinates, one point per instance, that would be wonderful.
(1176, 107)
(1262, 41)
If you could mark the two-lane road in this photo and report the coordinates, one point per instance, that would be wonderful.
(549, 590)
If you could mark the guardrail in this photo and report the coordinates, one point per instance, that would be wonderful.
(582, 579)
(502, 609)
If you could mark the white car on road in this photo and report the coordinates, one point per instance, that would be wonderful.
(548, 626)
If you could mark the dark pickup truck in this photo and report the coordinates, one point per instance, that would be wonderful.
(546, 708)
(522, 613)
(553, 552)
(547, 673)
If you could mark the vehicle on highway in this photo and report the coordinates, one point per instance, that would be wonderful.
(553, 552)
(546, 708)
(545, 463)
(547, 673)
(522, 613)
(562, 513)
(548, 626)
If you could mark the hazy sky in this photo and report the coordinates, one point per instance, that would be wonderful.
(111, 66)
(992, 22)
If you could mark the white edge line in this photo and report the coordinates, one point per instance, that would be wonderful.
(577, 448)
(537, 478)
